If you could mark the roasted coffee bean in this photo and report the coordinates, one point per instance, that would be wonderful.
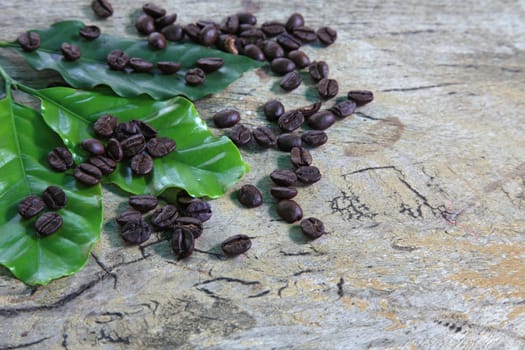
(156, 41)
(105, 125)
(314, 138)
(173, 32)
(249, 196)
(328, 88)
(361, 97)
(160, 146)
(29, 41)
(102, 8)
(125, 130)
(290, 120)
(165, 21)
(273, 109)
(184, 199)
(165, 216)
(182, 242)
(286, 141)
(308, 174)
(54, 197)
(140, 65)
(344, 109)
(230, 24)
(326, 35)
(228, 43)
(319, 70)
(145, 129)
(209, 64)
(117, 60)
(136, 232)
(300, 156)
(193, 32)
(60, 159)
(321, 120)
(208, 35)
(300, 59)
(88, 174)
(201, 23)
(143, 202)
(247, 18)
(226, 118)
(289, 210)
(264, 137)
(199, 209)
(273, 28)
(305, 34)
(30, 206)
(105, 164)
(194, 225)
(254, 52)
(141, 164)
(282, 65)
(153, 10)
(145, 24)
(312, 227)
(168, 67)
(129, 215)
(283, 192)
(283, 177)
(70, 52)
(291, 81)
(288, 42)
(93, 146)
(89, 32)
(272, 50)
(114, 150)
(294, 21)
(133, 145)
(236, 245)
(240, 135)
(310, 110)
(195, 76)
(48, 223)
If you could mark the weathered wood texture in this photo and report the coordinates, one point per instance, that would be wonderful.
(443, 139)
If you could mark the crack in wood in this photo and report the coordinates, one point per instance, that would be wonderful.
(23, 345)
(422, 87)
(339, 285)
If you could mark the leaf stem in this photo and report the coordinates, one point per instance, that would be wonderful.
(8, 81)
(5, 44)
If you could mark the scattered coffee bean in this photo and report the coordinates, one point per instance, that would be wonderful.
(208, 35)
(48, 223)
(300, 59)
(105, 164)
(143, 202)
(236, 245)
(165, 216)
(361, 97)
(209, 64)
(291, 81)
(194, 225)
(168, 67)
(140, 65)
(328, 88)
(133, 145)
(294, 21)
(319, 70)
(314, 138)
(321, 120)
(125, 130)
(264, 137)
(160, 146)
(252, 36)
(283, 177)
(29, 41)
(272, 50)
(249, 196)
(195, 76)
(199, 209)
(312, 227)
(290, 120)
(308, 174)
(173, 32)
(147, 130)
(102, 8)
(326, 35)
(70, 52)
(54, 197)
(289, 210)
(141, 164)
(310, 110)
(88, 174)
(93, 146)
(305, 34)
(228, 43)
(145, 24)
(230, 24)
(254, 52)
(273, 109)
(247, 18)
(156, 41)
(282, 65)
(300, 156)
(129, 215)
(344, 109)
(30, 206)
(288, 42)
(117, 60)
(283, 192)
(105, 125)
(193, 32)
(273, 28)
(114, 150)
(153, 10)
(165, 21)
(89, 32)
(286, 141)
(226, 118)
(240, 135)
(182, 242)
(60, 159)
(136, 232)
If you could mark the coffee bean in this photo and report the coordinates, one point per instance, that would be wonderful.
(326, 35)
(182, 242)
(193, 32)
(273, 109)
(290, 120)
(208, 35)
(300, 59)
(102, 8)
(160, 146)
(310, 110)
(321, 120)
(194, 225)
(283, 177)
(282, 65)
(264, 137)
(168, 67)
(70, 52)
(156, 41)
(89, 32)
(273, 28)
(199, 209)
(48, 223)
(283, 192)
(145, 24)
(30, 206)
(319, 70)
(117, 60)
(247, 18)
(272, 50)
(129, 215)
(314, 138)
(173, 32)
(60, 159)
(165, 216)
(153, 10)
(252, 36)
(249, 196)
(88, 174)
(291, 81)
(209, 64)
(361, 97)
(184, 199)
(305, 34)
(289, 210)
(114, 150)
(254, 52)
(145, 129)
(29, 41)
(236, 245)
(54, 197)
(141, 164)
(143, 202)
(308, 174)
(228, 43)
(105, 164)
(300, 156)
(240, 135)
(226, 118)
(230, 24)
(195, 76)
(105, 125)
(133, 145)
(165, 21)
(343, 109)
(286, 141)
(93, 146)
(328, 88)
(125, 130)
(136, 232)
(312, 227)
(288, 42)
(294, 21)
(140, 65)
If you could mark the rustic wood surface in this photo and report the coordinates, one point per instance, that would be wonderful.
(445, 134)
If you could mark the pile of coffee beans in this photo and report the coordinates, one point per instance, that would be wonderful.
(54, 198)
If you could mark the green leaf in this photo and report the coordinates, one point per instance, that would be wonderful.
(25, 141)
(91, 69)
(202, 164)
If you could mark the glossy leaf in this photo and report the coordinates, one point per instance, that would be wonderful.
(202, 164)
(92, 70)
(25, 141)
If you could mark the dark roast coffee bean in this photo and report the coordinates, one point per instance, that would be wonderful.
(272, 50)
(308, 174)
(114, 150)
(208, 35)
(125, 130)
(145, 24)
(209, 64)
(283, 177)
(165, 216)
(273, 28)
(226, 118)
(184, 199)
(236, 245)
(30, 206)
(135, 232)
(140, 65)
(117, 60)
(102, 8)
(312, 227)
(240, 135)
(195, 76)
(89, 32)
(173, 32)
(48, 223)
(54, 197)
(361, 97)
(145, 129)
(70, 52)
(290, 120)
(105, 164)
(305, 34)
(300, 156)
(319, 70)
(133, 145)
(328, 88)
(310, 110)
(247, 18)
(201, 23)
(105, 125)
(193, 32)
(160, 146)
(326, 35)
(291, 81)
(252, 35)
(294, 21)
(286, 141)
(194, 225)
(314, 138)
(29, 41)
(165, 21)
(264, 137)
(60, 159)
(254, 52)
(289, 210)
(282, 65)
(199, 209)
(300, 59)
(141, 164)
(321, 120)
(230, 24)
(344, 109)
(129, 215)
(283, 192)
(182, 242)
(88, 174)
(93, 146)
(153, 10)
(168, 67)
(249, 196)
(143, 202)
(156, 41)
(288, 42)
(228, 43)
(273, 109)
